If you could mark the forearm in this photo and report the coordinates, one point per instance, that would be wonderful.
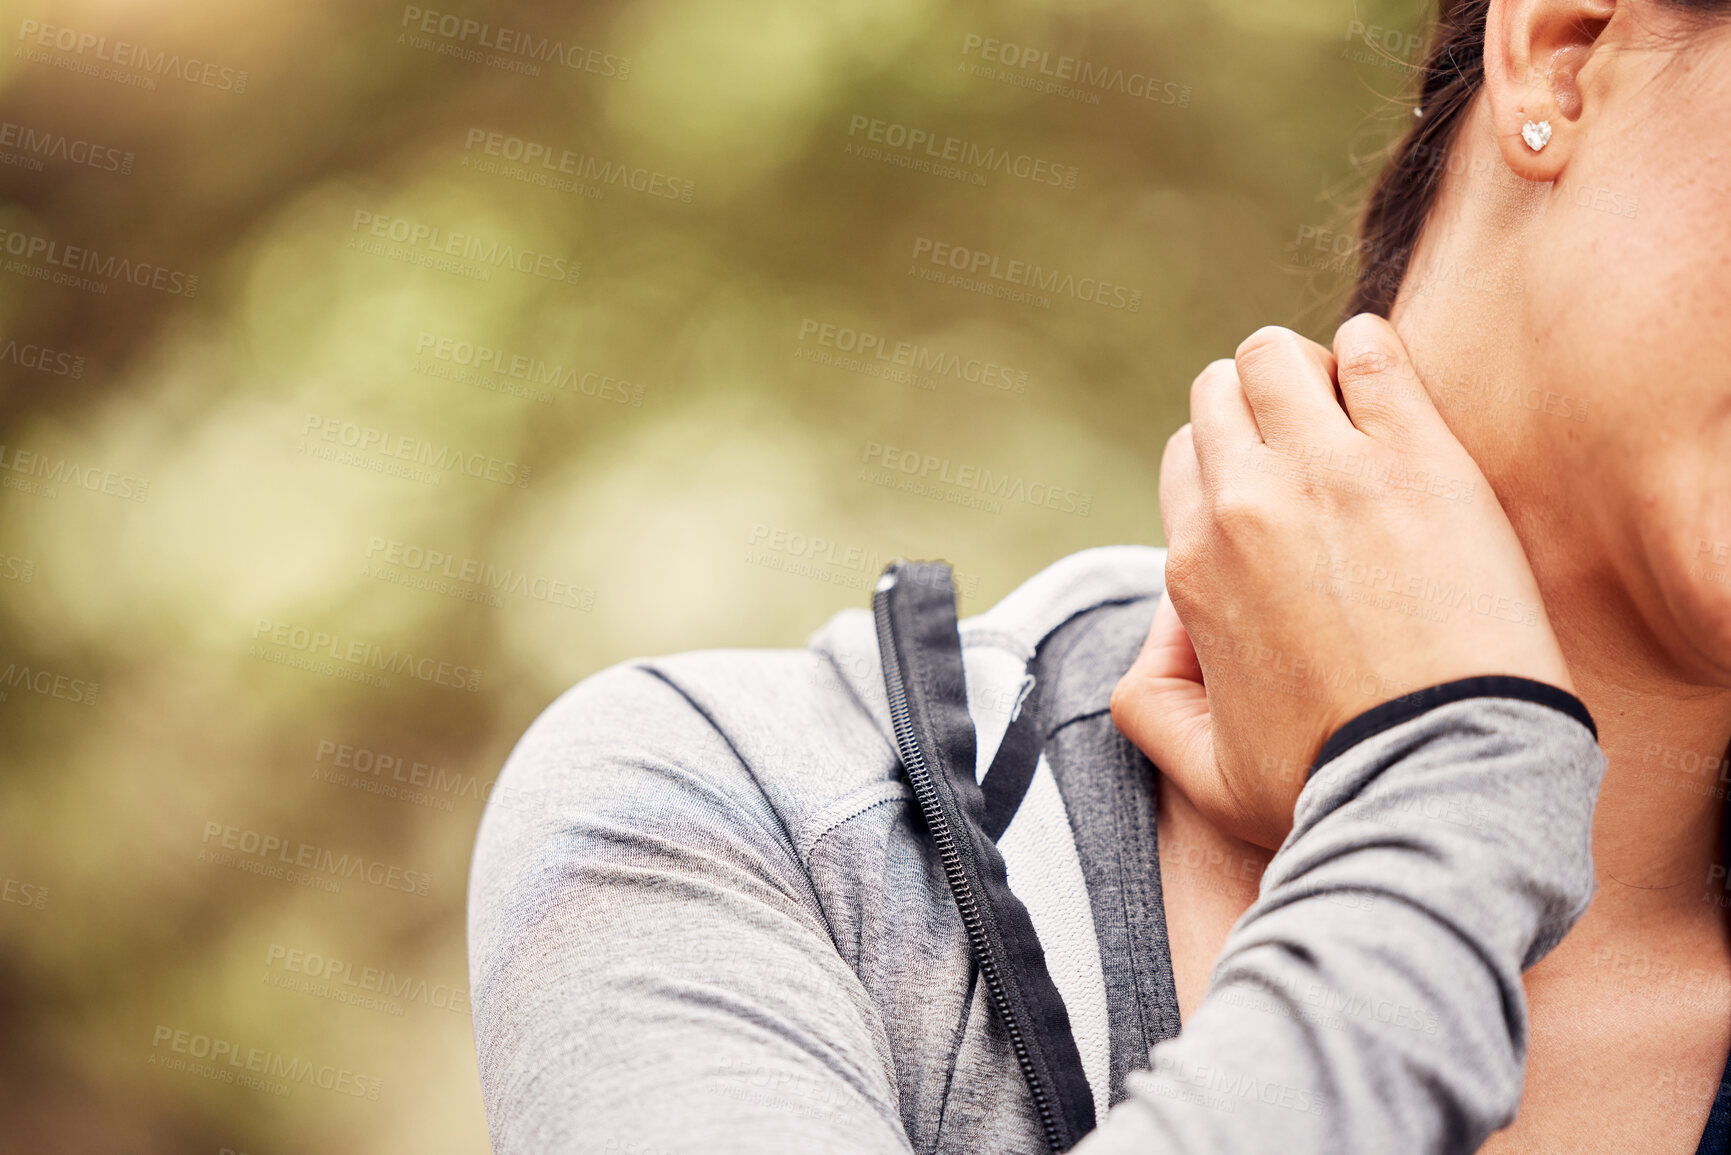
(1371, 999)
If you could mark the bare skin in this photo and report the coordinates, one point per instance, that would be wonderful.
(1520, 280)
(1617, 1062)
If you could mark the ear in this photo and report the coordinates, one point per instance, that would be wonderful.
(1535, 51)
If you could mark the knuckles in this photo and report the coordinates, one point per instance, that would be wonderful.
(1179, 454)
(1364, 332)
(1368, 361)
(1126, 697)
(1240, 513)
(1268, 344)
(1186, 555)
(1218, 374)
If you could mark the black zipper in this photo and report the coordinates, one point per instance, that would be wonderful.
(919, 772)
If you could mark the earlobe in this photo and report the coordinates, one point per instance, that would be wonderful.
(1535, 51)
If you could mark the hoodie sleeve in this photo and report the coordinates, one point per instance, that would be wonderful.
(1371, 1000)
(651, 971)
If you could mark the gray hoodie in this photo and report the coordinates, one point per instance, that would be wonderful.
(709, 911)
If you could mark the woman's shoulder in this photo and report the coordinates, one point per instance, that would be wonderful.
(779, 741)
(803, 726)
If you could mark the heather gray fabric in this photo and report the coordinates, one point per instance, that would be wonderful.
(704, 918)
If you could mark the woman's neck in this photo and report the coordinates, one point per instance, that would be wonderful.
(1657, 829)
(1656, 840)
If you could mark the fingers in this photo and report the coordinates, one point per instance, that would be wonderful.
(1180, 485)
(1162, 706)
(1168, 651)
(1222, 425)
(1289, 382)
(1383, 393)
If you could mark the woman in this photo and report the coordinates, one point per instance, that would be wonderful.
(1493, 252)
(717, 916)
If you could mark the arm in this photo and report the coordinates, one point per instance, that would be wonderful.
(643, 840)
(1371, 1001)
(651, 972)
(650, 969)
(1332, 549)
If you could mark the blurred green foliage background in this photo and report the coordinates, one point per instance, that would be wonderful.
(300, 562)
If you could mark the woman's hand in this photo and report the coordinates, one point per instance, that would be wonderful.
(1319, 562)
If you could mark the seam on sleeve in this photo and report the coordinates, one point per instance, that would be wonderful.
(750, 771)
(816, 828)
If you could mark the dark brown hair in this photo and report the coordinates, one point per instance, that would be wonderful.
(1405, 191)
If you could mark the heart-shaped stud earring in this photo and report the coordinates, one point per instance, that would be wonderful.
(1536, 134)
